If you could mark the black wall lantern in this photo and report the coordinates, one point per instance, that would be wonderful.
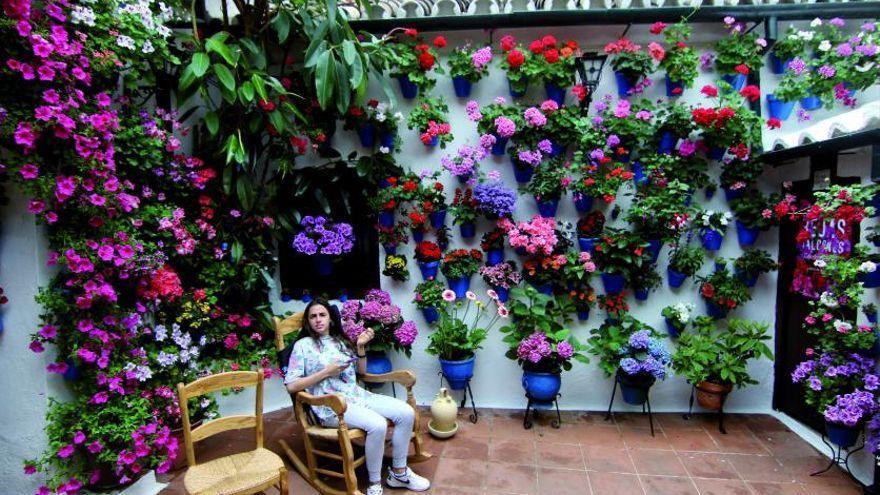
(589, 69)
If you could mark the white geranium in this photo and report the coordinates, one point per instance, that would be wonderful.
(820, 263)
(163, 31)
(82, 15)
(868, 267)
(148, 47)
(398, 116)
(828, 300)
(805, 35)
(824, 46)
(125, 41)
(842, 326)
(816, 22)
(381, 117)
(384, 150)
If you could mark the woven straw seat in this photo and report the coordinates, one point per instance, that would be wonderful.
(237, 473)
(332, 434)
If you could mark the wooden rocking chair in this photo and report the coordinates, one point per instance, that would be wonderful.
(343, 435)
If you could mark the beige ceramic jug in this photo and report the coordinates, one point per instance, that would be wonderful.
(444, 410)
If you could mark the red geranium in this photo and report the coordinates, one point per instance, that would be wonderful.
(426, 61)
(439, 41)
(742, 69)
(427, 251)
(551, 55)
(410, 32)
(507, 43)
(165, 284)
(515, 58)
(751, 92)
(548, 41)
(536, 47)
(709, 90)
(774, 123)
(658, 27)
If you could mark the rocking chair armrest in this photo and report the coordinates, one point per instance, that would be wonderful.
(334, 401)
(404, 377)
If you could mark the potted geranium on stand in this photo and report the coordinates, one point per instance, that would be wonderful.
(324, 240)
(429, 118)
(429, 299)
(501, 277)
(458, 266)
(540, 343)
(467, 66)
(376, 311)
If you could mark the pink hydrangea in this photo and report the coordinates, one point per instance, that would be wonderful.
(406, 333)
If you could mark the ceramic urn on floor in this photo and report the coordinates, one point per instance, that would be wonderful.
(444, 411)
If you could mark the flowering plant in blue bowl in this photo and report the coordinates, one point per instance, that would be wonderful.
(643, 361)
(465, 163)
(846, 417)
(494, 200)
(323, 239)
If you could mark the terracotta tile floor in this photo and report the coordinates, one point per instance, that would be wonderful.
(589, 456)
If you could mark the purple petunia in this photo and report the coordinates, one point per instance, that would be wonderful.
(850, 409)
(494, 199)
(317, 236)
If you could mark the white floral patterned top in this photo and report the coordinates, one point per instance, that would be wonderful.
(308, 358)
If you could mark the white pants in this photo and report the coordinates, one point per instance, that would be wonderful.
(372, 419)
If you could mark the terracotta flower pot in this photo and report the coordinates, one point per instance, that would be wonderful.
(711, 395)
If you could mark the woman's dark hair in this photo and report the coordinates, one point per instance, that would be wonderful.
(335, 324)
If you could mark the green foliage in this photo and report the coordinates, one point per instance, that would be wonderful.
(681, 61)
(461, 64)
(547, 181)
(755, 209)
(658, 212)
(721, 355)
(622, 252)
(755, 261)
(429, 294)
(735, 49)
(687, 259)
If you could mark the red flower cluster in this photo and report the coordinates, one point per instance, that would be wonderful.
(164, 284)
(427, 251)
(658, 27)
(439, 41)
(712, 117)
(507, 43)
(620, 46)
(742, 69)
(774, 123)
(464, 198)
(417, 220)
(751, 92)
(459, 254)
(614, 303)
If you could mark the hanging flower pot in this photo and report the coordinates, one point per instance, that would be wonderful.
(367, 135)
(711, 239)
(675, 278)
(429, 269)
(612, 282)
(582, 202)
(71, 374)
(386, 218)
(494, 256)
(672, 328)
(746, 235)
(418, 235)
(737, 81)
(778, 66)
(711, 395)
(438, 219)
(522, 172)
(641, 294)
(431, 315)
(458, 373)
(673, 88)
(556, 149)
(546, 289)
(732, 194)
(716, 153)
(654, 247)
(499, 148)
(554, 93)
(390, 248)
(750, 279)
(639, 178)
(541, 387)
(715, 311)
(667, 143)
(408, 89)
(872, 317)
(624, 83)
(810, 103)
(433, 142)
(779, 109)
(386, 139)
(514, 93)
(634, 389)
(468, 229)
(324, 264)
(459, 285)
(584, 315)
(503, 293)
(547, 208)
(587, 244)
(841, 435)
(870, 280)
(462, 88)
(709, 192)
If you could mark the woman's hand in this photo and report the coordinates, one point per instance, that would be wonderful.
(335, 368)
(365, 337)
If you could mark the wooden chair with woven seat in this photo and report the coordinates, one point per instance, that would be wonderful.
(237, 474)
(315, 433)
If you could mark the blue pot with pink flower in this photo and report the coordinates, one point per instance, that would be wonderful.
(429, 269)
(555, 92)
(461, 86)
(431, 314)
(777, 65)
(432, 142)
(583, 203)
(673, 88)
(503, 293)
(586, 244)
(625, 83)
(458, 373)
(378, 363)
(522, 172)
(547, 207)
(459, 285)
(541, 387)
(499, 148)
(408, 89)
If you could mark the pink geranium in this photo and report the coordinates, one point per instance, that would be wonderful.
(535, 236)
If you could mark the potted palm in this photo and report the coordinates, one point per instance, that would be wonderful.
(429, 298)
(685, 261)
(458, 265)
(459, 334)
(752, 263)
(715, 360)
(629, 350)
(677, 317)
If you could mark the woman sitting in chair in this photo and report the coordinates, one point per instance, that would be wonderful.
(322, 363)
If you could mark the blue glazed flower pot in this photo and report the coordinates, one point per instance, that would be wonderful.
(667, 142)
(542, 387)
(500, 146)
(377, 364)
(418, 235)
(522, 173)
(612, 282)
(547, 209)
(811, 103)
(872, 317)
(654, 247)
(555, 93)
(634, 389)
(639, 178)
(429, 269)
(711, 239)
(458, 373)
(731, 194)
(750, 279)
(624, 84)
(716, 153)
(386, 139)
(671, 329)
(438, 219)
(408, 89)
(546, 289)
(386, 218)
(870, 280)
(675, 278)
(673, 88)
(516, 94)
(641, 294)
(494, 256)
(779, 109)
(556, 149)
(433, 142)
(587, 244)
(710, 193)
(842, 436)
(737, 81)
(503, 294)
(468, 230)
(431, 315)
(583, 315)
(367, 135)
(324, 264)
(462, 86)
(583, 203)
(72, 373)
(746, 235)
(459, 285)
(778, 66)
(714, 310)
(390, 249)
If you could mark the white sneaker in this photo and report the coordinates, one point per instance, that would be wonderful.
(375, 489)
(409, 480)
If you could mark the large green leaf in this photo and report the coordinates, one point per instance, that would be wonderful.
(349, 51)
(187, 77)
(257, 55)
(212, 122)
(281, 22)
(245, 192)
(315, 50)
(246, 92)
(200, 63)
(220, 48)
(259, 86)
(325, 79)
(225, 76)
